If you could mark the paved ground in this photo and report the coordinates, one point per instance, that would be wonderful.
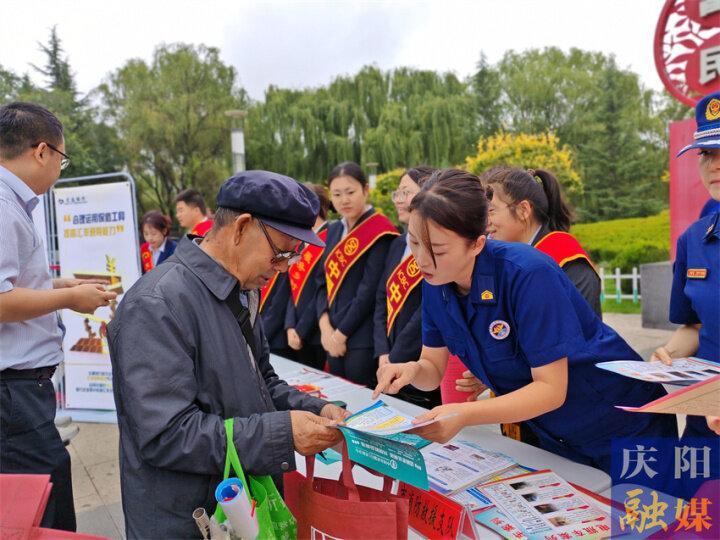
(96, 479)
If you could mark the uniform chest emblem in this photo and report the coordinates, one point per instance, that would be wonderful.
(487, 295)
(696, 273)
(499, 329)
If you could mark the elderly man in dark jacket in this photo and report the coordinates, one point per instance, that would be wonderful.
(182, 363)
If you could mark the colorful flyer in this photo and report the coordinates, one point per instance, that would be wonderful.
(318, 383)
(394, 459)
(682, 372)
(382, 419)
(700, 399)
(454, 466)
(542, 505)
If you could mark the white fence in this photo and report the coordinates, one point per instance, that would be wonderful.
(618, 278)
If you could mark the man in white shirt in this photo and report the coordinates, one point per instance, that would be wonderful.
(32, 154)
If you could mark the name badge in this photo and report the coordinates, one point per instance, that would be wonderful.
(696, 273)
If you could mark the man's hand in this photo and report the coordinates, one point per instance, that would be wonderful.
(392, 377)
(335, 413)
(294, 341)
(64, 283)
(311, 433)
(87, 298)
(470, 383)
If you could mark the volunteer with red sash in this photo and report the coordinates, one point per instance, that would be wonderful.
(274, 298)
(301, 321)
(354, 259)
(158, 246)
(695, 296)
(398, 315)
(518, 323)
(527, 206)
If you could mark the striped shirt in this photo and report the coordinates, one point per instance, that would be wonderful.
(36, 342)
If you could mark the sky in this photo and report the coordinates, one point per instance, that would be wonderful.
(298, 44)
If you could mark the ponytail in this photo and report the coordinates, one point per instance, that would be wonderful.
(539, 187)
(559, 214)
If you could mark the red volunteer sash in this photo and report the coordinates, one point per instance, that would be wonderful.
(202, 228)
(146, 257)
(351, 248)
(563, 247)
(265, 291)
(400, 284)
(300, 272)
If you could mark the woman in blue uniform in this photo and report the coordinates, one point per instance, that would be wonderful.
(301, 322)
(695, 295)
(518, 323)
(397, 329)
(354, 257)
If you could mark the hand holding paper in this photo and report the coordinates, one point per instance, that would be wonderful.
(441, 423)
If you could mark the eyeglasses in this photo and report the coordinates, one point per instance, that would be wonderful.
(281, 256)
(401, 195)
(64, 162)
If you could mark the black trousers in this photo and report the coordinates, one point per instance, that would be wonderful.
(358, 365)
(313, 356)
(30, 444)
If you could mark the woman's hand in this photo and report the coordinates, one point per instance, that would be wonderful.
(471, 384)
(294, 341)
(383, 359)
(661, 354)
(713, 423)
(451, 418)
(339, 343)
(392, 377)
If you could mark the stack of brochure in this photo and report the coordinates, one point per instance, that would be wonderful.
(540, 505)
(682, 372)
(457, 465)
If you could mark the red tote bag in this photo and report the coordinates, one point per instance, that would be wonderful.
(339, 509)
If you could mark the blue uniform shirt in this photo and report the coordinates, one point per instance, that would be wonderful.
(523, 312)
(695, 296)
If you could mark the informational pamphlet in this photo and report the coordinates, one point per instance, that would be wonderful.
(543, 505)
(475, 500)
(700, 399)
(381, 419)
(682, 372)
(454, 466)
(318, 383)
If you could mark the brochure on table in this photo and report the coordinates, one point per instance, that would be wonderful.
(682, 372)
(541, 505)
(382, 419)
(319, 383)
(457, 465)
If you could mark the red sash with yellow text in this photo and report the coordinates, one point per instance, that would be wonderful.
(265, 291)
(146, 257)
(563, 247)
(400, 284)
(300, 272)
(351, 248)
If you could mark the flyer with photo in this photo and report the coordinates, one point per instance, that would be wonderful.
(682, 372)
(542, 504)
(475, 500)
(454, 466)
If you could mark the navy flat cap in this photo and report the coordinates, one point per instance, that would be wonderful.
(278, 201)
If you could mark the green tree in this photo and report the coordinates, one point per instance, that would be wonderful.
(528, 152)
(91, 144)
(170, 115)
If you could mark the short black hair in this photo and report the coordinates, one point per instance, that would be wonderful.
(23, 125)
(191, 197)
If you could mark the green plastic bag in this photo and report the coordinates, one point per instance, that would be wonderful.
(275, 520)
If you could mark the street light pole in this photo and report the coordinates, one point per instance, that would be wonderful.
(237, 139)
(373, 174)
